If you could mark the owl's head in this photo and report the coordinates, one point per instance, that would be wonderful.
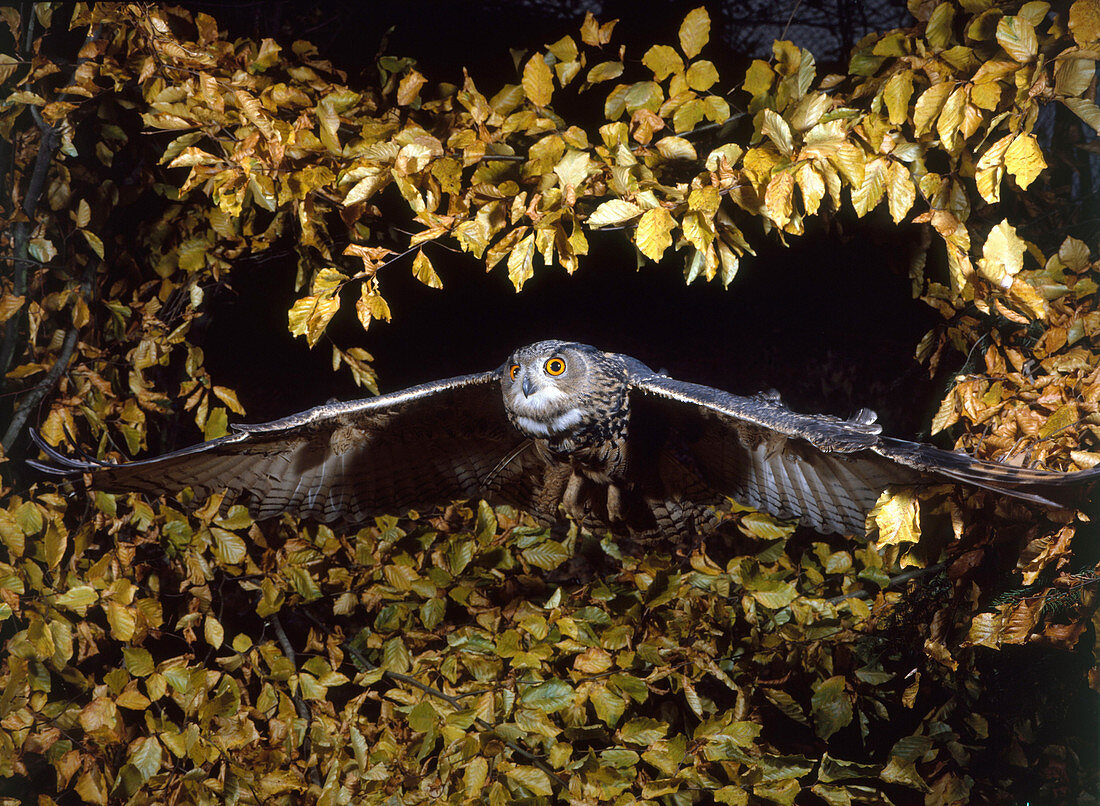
(552, 388)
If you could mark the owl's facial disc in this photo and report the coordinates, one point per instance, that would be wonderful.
(538, 391)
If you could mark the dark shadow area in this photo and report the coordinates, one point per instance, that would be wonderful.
(830, 322)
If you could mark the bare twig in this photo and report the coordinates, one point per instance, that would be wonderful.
(299, 704)
(43, 387)
(894, 582)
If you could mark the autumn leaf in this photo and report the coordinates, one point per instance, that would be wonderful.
(653, 232)
(694, 32)
(1002, 255)
(1024, 159)
(538, 80)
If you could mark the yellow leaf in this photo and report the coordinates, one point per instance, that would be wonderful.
(9, 306)
(778, 131)
(869, 193)
(594, 34)
(929, 105)
(310, 315)
(1002, 255)
(424, 272)
(778, 198)
(694, 32)
(123, 621)
(990, 170)
(605, 71)
(1017, 36)
(229, 397)
(1060, 420)
(370, 305)
(662, 60)
(94, 242)
(812, 185)
(986, 629)
(1024, 160)
(702, 75)
(213, 632)
(676, 148)
(900, 192)
(758, 78)
(538, 80)
(521, 262)
(326, 281)
(951, 117)
(615, 211)
(653, 235)
(1084, 22)
(897, 518)
(409, 88)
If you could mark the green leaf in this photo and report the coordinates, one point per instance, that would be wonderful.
(832, 708)
(548, 697)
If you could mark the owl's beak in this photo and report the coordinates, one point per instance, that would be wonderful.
(527, 387)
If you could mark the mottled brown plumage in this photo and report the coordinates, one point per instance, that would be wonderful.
(564, 428)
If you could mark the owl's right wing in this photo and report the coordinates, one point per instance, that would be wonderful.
(424, 446)
(824, 471)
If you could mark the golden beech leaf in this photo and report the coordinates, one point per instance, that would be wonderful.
(779, 198)
(1086, 110)
(653, 234)
(594, 34)
(423, 271)
(900, 192)
(521, 262)
(370, 305)
(538, 80)
(985, 630)
(812, 185)
(702, 75)
(614, 211)
(662, 60)
(9, 305)
(897, 518)
(869, 193)
(1084, 22)
(950, 119)
(929, 105)
(898, 91)
(309, 316)
(1024, 160)
(1002, 255)
(409, 88)
(694, 32)
(604, 71)
(1017, 36)
(990, 170)
(776, 129)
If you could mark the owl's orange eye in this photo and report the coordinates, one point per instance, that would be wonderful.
(513, 371)
(555, 366)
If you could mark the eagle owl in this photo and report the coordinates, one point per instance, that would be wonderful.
(565, 428)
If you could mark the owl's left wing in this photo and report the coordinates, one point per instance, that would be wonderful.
(424, 446)
(824, 471)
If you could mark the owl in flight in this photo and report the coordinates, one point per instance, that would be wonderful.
(564, 428)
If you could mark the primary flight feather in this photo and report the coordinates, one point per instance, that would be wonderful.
(564, 428)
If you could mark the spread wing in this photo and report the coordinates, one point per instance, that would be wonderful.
(822, 470)
(424, 446)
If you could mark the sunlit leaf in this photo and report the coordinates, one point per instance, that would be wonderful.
(694, 32)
